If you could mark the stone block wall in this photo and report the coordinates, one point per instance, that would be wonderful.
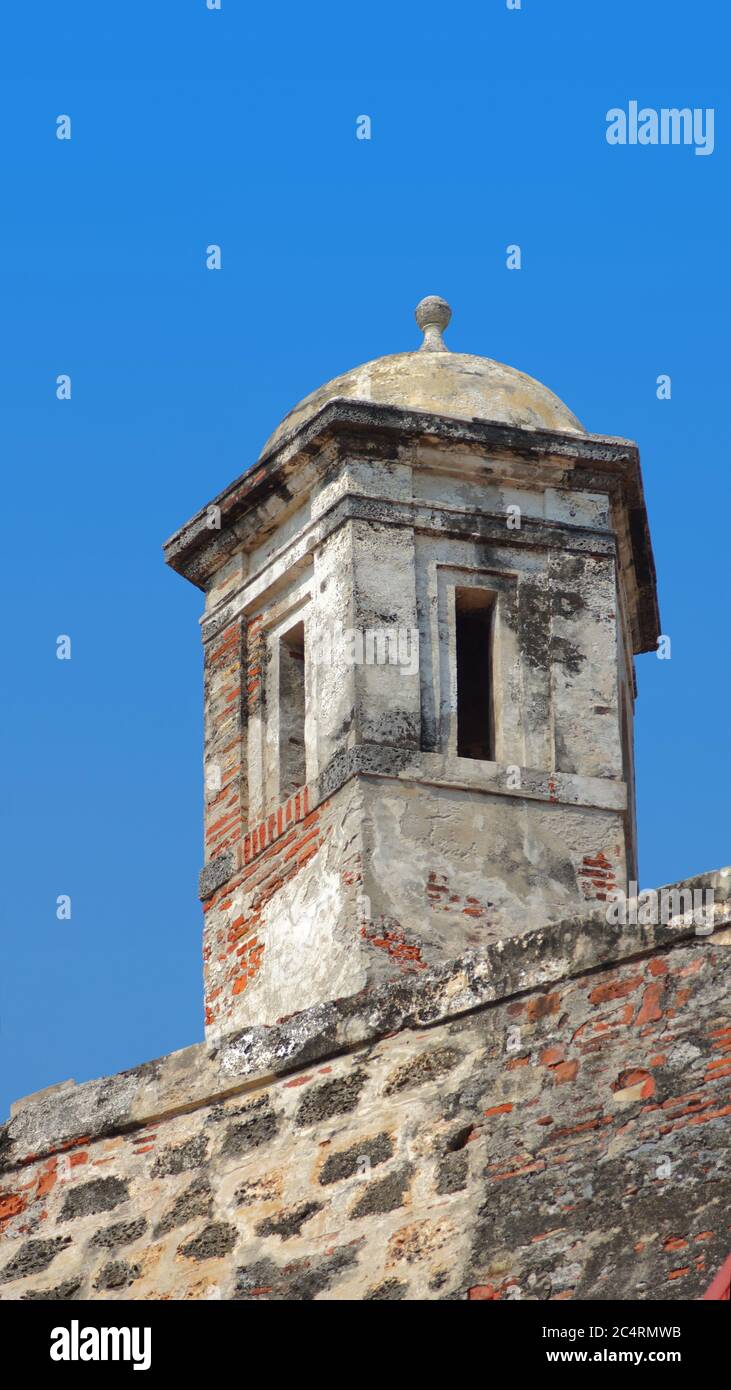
(546, 1118)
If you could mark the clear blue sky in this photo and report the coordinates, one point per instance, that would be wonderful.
(238, 127)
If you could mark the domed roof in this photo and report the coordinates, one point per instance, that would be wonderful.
(442, 382)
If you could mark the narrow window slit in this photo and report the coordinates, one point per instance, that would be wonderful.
(473, 641)
(292, 758)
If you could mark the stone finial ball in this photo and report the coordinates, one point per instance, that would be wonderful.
(433, 312)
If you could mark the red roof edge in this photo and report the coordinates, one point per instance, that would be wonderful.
(720, 1288)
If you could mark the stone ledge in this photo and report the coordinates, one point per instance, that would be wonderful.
(58, 1119)
(344, 414)
(195, 553)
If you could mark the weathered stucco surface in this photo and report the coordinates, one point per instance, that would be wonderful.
(396, 852)
(434, 1068)
(527, 1121)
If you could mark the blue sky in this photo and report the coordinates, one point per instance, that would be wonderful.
(191, 127)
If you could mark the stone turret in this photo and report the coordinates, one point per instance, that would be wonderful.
(421, 609)
(437, 1067)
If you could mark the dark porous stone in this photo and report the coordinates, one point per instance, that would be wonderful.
(385, 1195)
(301, 1280)
(390, 1291)
(117, 1274)
(337, 1097)
(425, 1068)
(195, 1201)
(344, 1164)
(213, 875)
(257, 1126)
(459, 1138)
(181, 1157)
(214, 1240)
(33, 1256)
(398, 728)
(452, 1176)
(62, 1293)
(121, 1233)
(257, 1190)
(147, 1071)
(101, 1194)
(288, 1223)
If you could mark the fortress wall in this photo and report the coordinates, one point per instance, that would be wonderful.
(526, 1122)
